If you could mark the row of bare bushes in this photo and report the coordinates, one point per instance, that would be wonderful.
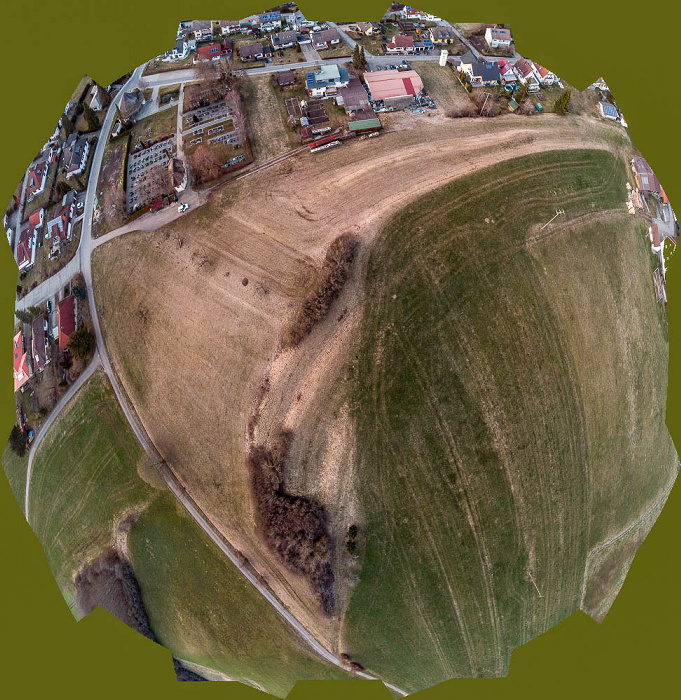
(328, 284)
(293, 527)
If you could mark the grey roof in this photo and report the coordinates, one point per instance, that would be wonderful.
(131, 103)
(486, 71)
(250, 50)
(468, 57)
(286, 37)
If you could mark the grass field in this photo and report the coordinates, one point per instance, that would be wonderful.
(206, 612)
(110, 212)
(155, 127)
(442, 84)
(15, 471)
(85, 474)
(245, 258)
(261, 102)
(90, 470)
(509, 412)
(156, 65)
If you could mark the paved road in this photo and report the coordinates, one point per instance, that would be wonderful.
(346, 37)
(168, 78)
(70, 393)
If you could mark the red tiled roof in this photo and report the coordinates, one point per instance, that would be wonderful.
(66, 320)
(403, 41)
(35, 219)
(20, 363)
(35, 178)
(210, 50)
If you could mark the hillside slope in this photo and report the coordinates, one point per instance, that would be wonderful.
(509, 412)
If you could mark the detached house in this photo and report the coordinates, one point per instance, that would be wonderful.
(28, 240)
(419, 15)
(526, 74)
(367, 28)
(60, 223)
(22, 371)
(37, 177)
(328, 80)
(179, 52)
(506, 71)
(325, 38)
(211, 52)
(480, 73)
(40, 343)
(443, 35)
(401, 44)
(284, 40)
(75, 155)
(202, 29)
(229, 26)
(498, 38)
(254, 52)
(66, 320)
(544, 75)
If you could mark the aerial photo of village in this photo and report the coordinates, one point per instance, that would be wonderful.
(340, 349)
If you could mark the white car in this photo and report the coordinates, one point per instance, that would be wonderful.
(183, 208)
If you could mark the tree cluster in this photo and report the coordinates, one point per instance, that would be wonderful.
(562, 104)
(328, 284)
(350, 542)
(80, 343)
(293, 527)
(17, 441)
(358, 58)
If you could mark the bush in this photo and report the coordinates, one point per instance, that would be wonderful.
(562, 104)
(464, 110)
(330, 280)
(81, 342)
(293, 527)
(17, 441)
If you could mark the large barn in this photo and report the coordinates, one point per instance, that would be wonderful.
(394, 88)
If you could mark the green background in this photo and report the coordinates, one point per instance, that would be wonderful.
(46, 47)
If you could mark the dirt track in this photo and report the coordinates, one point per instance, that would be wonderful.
(193, 343)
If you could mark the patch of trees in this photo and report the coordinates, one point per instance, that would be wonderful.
(17, 441)
(358, 57)
(562, 104)
(80, 343)
(182, 673)
(331, 277)
(110, 582)
(293, 527)
(351, 540)
(24, 315)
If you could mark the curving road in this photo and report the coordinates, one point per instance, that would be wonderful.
(83, 261)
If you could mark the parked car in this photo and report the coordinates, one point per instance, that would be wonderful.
(182, 208)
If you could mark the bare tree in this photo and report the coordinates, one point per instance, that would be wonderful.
(204, 164)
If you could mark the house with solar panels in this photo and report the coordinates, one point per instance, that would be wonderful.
(608, 111)
(328, 80)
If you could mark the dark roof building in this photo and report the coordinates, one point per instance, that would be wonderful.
(286, 78)
(646, 180)
(354, 96)
(40, 343)
(130, 104)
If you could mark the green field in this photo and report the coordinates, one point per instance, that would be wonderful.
(84, 476)
(15, 471)
(201, 607)
(509, 411)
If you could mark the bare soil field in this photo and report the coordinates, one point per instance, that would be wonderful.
(192, 314)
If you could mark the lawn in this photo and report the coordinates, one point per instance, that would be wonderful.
(170, 92)
(89, 470)
(85, 474)
(374, 44)
(442, 84)
(15, 471)
(509, 411)
(110, 211)
(201, 607)
(286, 56)
(340, 50)
(155, 127)
(269, 132)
